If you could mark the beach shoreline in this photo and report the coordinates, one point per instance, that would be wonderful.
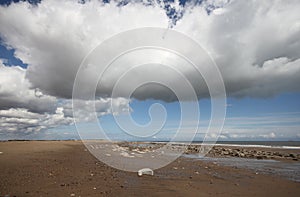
(66, 168)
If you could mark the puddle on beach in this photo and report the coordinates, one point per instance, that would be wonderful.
(288, 170)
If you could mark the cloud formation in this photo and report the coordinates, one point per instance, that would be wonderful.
(16, 92)
(20, 120)
(256, 45)
(24, 109)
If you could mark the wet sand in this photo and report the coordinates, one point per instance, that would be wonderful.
(66, 168)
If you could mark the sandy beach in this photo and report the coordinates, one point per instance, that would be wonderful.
(66, 168)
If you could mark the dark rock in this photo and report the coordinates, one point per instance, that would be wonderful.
(292, 155)
(259, 157)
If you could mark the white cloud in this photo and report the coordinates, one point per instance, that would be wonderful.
(25, 110)
(20, 120)
(256, 45)
(16, 92)
(54, 37)
(85, 108)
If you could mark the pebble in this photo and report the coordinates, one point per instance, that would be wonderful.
(246, 153)
(72, 195)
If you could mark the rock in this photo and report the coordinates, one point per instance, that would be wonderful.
(72, 194)
(292, 155)
(242, 155)
(251, 155)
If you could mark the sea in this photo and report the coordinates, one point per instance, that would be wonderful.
(262, 144)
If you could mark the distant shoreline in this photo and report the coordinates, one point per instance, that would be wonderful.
(255, 144)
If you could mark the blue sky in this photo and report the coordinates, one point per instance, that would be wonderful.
(265, 107)
(8, 56)
(258, 117)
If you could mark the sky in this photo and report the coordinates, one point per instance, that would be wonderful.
(254, 44)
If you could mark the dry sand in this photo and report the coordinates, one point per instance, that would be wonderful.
(65, 168)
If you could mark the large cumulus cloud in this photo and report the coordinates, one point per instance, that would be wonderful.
(54, 37)
(255, 43)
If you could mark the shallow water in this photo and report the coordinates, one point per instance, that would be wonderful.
(288, 170)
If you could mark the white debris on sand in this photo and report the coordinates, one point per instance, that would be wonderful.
(145, 171)
(119, 148)
(125, 154)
